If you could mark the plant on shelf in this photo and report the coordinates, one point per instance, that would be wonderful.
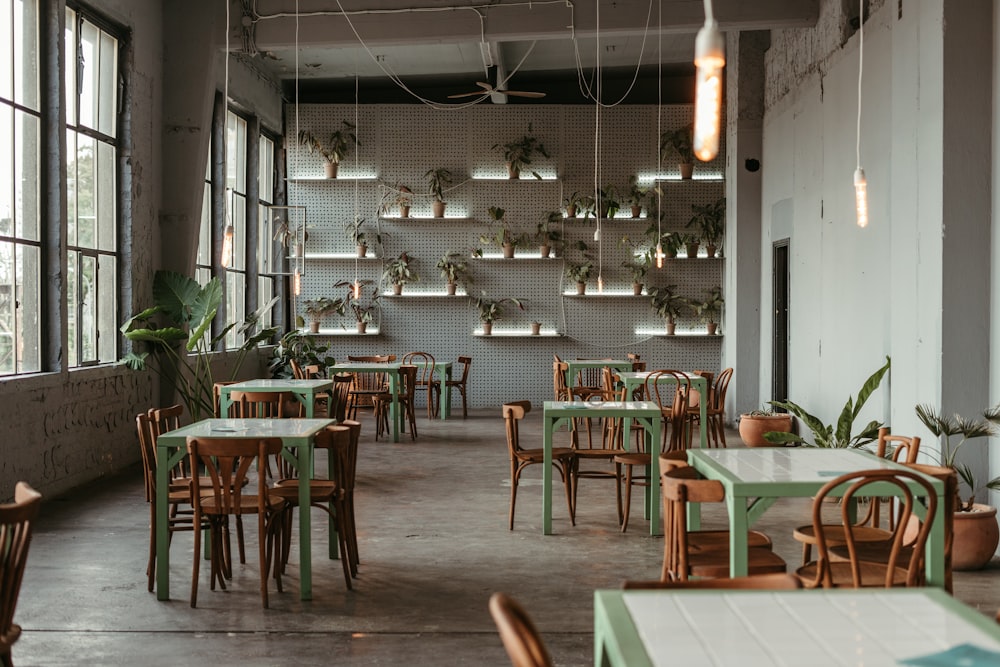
(335, 148)
(571, 204)
(828, 435)
(518, 153)
(585, 204)
(710, 219)
(668, 305)
(669, 242)
(455, 270)
(399, 196)
(504, 236)
(608, 201)
(636, 197)
(710, 309)
(690, 243)
(437, 180)
(491, 310)
(364, 312)
(177, 330)
(317, 308)
(638, 267)
(398, 273)
(301, 347)
(290, 236)
(679, 142)
(549, 238)
(361, 239)
(580, 274)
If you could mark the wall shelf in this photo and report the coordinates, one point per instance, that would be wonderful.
(419, 219)
(339, 256)
(423, 295)
(605, 295)
(322, 179)
(372, 331)
(680, 334)
(516, 258)
(478, 333)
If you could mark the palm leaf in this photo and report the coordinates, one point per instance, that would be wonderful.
(136, 362)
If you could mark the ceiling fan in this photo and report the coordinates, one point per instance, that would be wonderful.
(490, 89)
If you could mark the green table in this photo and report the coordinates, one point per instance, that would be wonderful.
(633, 381)
(646, 413)
(391, 370)
(296, 437)
(573, 367)
(443, 371)
(756, 628)
(304, 390)
(755, 478)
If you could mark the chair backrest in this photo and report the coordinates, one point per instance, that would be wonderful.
(314, 371)
(258, 404)
(336, 440)
(674, 401)
(227, 463)
(719, 389)
(408, 382)
(466, 364)
(901, 445)
(681, 485)
(513, 413)
(217, 393)
(297, 371)
(518, 633)
(425, 366)
(16, 524)
(339, 397)
(165, 419)
(559, 387)
(951, 503)
(777, 581)
(351, 471)
(905, 483)
(147, 447)
(591, 378)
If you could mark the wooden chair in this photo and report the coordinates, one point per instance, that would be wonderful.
(341, 396)
(563, 458)
(425, 380)
(869, 527)
(227, 459)
(903, 565)
(521, 640)
(17, 520)
(367, 384)
(715, 408)
(461, 384)
(297, 371)
(778, 581)
(406, 399)
(259, 404)
(217, 393)
(327, 494)
(702, 553)
(673, 398)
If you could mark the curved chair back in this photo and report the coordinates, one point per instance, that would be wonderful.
(16, 523)
(258, 404)
(518, 633)
(778, 581)
(340, 397)
(672, 392)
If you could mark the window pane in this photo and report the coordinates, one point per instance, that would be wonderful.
(108, 102)
(88, 308)
(72, 72)
(235, 306)
(239, 221)
(7, 200)
(25, 52)
(90, 62)
(265, 170)
(236, 153)
(265, 292)
(26, 176)
(106, 197)
(71, 306)
(71, 186)
(28, 308)
(205, 231)
(107, 311)
(86, 194)
(8, 331)
(6, 46)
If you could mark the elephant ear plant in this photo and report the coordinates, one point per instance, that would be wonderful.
(826, 435)
(177, 331)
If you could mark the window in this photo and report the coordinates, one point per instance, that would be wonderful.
(20, 199)
(265, 189)
(203, 263)
(236, 215)
(91, 191)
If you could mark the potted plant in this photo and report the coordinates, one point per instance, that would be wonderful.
(301, 347)
(291, 237)
(360, 238)
(547, 236)
(572, 203)
(317, 308)
(608, 203)
(710, 309)
(364, 312)
(518, 153)
(398, 273)
(536, 328)
(668, 305)
(579, 273)
(976, 533)
(454, 269)
(754, 424)
(504, 236)
(491, 310)
(638, 267)
(679, 142)
(399, 196)
(710, 220)
(585, 204)
(636, 196)
(334, 149)
(690, 243)
(437, 179)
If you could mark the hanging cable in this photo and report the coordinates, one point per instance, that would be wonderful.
(860, 182)
(659, 133)
(299, 263)
(228, 232)
(597, 153)
(357, 282)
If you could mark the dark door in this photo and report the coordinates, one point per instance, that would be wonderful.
(779, 344)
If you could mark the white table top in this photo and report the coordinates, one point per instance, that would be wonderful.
(792, 464)
(249, 428)
(278, 383)
(815, 628)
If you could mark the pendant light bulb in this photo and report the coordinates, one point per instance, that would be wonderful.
(659, 256)
(227, 247)
(357, 290)
(297, 282)
(709, 59)
(861, 196)
(600, 284)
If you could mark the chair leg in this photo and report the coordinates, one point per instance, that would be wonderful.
(618, 491)
(628, 497)
(151, 561)
(514, 474)
(567, 475)
(465, 408)
(197, 564)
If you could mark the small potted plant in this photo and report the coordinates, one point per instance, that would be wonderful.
(580, 274)
(399, 196)
(398, 273)
(317, 308)
(360, 238)
(518, 153)
(491, 310)
(536, 328)
(679, 142)
(572, 204)
(364, 311)
(585, 205)
(638, 267)
(504, 236)
(636, 196)
(710, 220)
(334, 149)
(754, 424)
(668, 305)
(437, 180)
(608, 201)
(454, 269)
(691, 242)
(291, 237)
(547, 236)
(710, 309)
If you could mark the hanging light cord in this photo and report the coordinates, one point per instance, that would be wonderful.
(861, 68)
(356, 209)
(659, 131)
(597, 146)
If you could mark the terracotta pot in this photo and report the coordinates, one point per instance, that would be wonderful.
(636, 211)
(362, 327)
(487, 328)
(544, 250)
(536, 328)
(362, 251)
(753, 428)
(671, 327)
(437, 208)
(692, 250)
(508, 251)
(297, 250)
(451, 288)
(686, 169)
(314, 327)
(513, 172)
(711, 250)
(571, 211)
(712, 327)
(404, 211)
(976, 537)
(604, 210)
(581, 288)
(397, 289)
(330, 169)
(636, 289)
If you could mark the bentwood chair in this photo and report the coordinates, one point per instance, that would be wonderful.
(425, 380)
(406, 399)
(563, 458)
(17, 521)
(778, 581)
(217, 394)
(341, 396)
(684, 553)
(714, 409)
(259, 404)
(368, 384)
(226, 459)
(903, 563)
(461, 384)
(520, 638)
(869, 527)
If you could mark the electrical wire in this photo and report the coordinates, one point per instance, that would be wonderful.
(861, 66)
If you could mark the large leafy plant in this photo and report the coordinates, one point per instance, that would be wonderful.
(944, 428)
(301, 347)
(828, 435)
(176, 331)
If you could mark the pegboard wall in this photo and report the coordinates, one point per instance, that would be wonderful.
(399, 144)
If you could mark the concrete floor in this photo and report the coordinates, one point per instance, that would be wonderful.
(434, 545)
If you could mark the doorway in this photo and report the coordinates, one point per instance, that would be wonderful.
(779, 342)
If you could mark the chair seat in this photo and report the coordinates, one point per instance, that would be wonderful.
(633, 459)
(538, 455)
(248, 505)
(835, 534)
(872, 552)
(320, 490)
(715, 564)
(718, 540)
(872, 575)
(584, 453)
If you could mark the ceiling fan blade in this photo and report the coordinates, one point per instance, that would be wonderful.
(522, 93)
(480, 93)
